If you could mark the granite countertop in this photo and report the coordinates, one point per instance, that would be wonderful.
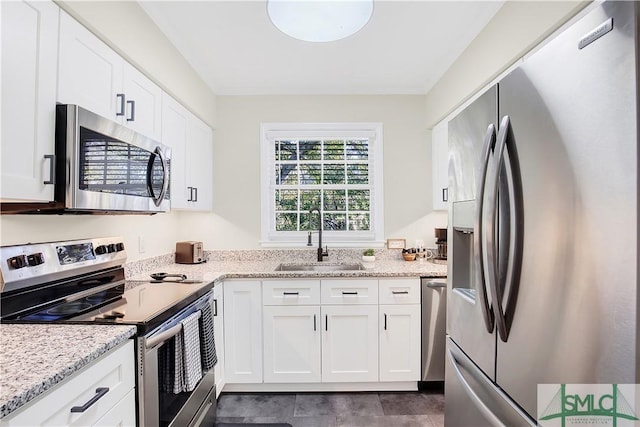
(34, 358)
(216, 270)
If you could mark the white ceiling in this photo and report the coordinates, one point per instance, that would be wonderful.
(404, 49)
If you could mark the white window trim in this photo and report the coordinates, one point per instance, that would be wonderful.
(268, 131)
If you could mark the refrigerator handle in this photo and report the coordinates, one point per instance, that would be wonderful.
(505, 152)
(487, 147)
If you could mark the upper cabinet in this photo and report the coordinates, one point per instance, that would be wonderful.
(95, 77)
(440, 159)
(29, 57)
(191, 142)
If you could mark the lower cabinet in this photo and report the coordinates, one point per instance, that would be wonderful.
(218, 333)
(109, 382)
(400, 342)
(350, 343)
(291, 344)
(285, 331)
(243, 331)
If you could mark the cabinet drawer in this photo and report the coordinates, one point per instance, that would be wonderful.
(114, 371)
(400, 291)
(349, 291)
(291, 292)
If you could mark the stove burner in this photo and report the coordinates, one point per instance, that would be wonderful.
(69, 308)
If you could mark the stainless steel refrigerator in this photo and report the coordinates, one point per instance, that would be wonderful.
(543, 225)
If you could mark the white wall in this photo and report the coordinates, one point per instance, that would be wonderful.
(517, 28)
(235, 222)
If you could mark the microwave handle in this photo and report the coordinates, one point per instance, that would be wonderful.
(165, 179)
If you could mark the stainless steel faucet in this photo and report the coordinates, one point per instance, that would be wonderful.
(321, 253)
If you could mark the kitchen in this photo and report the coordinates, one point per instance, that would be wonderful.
(232, 223)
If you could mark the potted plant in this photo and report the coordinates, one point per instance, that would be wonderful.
(368, 255)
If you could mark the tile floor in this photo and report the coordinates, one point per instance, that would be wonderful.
(366, 409)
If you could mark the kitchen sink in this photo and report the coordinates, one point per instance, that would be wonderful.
(319, 267)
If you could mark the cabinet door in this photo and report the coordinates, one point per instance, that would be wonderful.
(175, 119)
(200, 160)
(400, 342)
(349, 343)
(291, 344)
(143, 109)
(440, 166)
(90, 72)
(218, 334)
(243, 331)
(29, 58)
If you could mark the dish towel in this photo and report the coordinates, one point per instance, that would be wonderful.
(178, 366)
(192, 365)
(207, 339)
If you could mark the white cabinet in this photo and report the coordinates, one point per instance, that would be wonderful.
(95, 77)
(400, 326)
(439, 163)
(218, 333)
(350, 330)
(291, 344)
(110, 379)
(191, 142)
(291, 315)
(29, 58)
(243, 331)
(350, 343)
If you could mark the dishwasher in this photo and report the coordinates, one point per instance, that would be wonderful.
(433, 293)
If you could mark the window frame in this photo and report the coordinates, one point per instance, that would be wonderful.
(271, 131)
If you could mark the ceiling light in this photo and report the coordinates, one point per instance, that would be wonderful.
(319, 20)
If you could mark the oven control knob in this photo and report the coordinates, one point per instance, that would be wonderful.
(17, 262)
(35, 259)
(119, 247)
(111, 248)
(101, 250)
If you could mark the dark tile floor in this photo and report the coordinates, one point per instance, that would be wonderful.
(366, 409)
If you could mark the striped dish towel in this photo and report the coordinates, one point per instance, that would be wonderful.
(207, 339)
(192, 367)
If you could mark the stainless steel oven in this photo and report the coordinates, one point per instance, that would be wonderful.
(82, 281)
(102, 166)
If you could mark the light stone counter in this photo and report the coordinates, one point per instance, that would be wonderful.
(262, 264)
(34, 358)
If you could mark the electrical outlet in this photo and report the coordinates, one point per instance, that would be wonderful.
(141, 248)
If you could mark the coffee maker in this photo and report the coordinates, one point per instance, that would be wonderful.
(441, 243)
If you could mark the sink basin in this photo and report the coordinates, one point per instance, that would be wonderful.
(319, 267)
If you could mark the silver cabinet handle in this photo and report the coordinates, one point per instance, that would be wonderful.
(385, 321)
(132, 109)
(195, 189)
(100, 391)
(190, 199)
(400, 292)
(489, 143)
(314, 322)
(52, 168)
(291, 293)
(120, 97)
(215, 307)
(445, 194)
(349, 293)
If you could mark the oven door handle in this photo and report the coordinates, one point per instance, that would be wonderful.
(163, 336)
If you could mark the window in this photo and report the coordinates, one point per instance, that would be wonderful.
(335, 168)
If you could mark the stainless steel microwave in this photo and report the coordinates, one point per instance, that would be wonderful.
(104, 167)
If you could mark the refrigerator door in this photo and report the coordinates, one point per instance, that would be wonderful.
(479, 402)
(469, 317)
(573, 116)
